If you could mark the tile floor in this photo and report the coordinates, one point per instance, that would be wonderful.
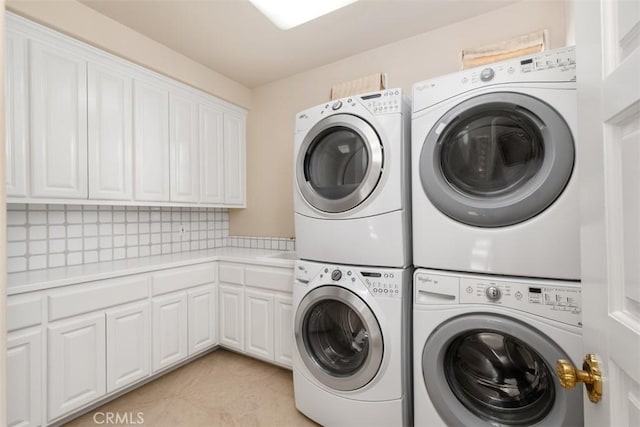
(219, 389)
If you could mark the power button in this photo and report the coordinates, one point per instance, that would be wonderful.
(336, 105)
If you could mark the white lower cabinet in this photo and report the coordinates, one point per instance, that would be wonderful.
(24, 378)
(76, 363)
(232, 316)
(169, 330)
(259, 323)
(203, 327)
(283, 331)
(128, 345)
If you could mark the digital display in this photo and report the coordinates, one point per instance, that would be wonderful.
(375, 95)
(526, 61)
(535, 290)
(367, 274)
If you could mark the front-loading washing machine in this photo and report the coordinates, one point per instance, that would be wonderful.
(352, 181)
(494, 173)
(485, 350)
(351, 362)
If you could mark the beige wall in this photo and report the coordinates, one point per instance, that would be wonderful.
(3, 242)
(84, 23)
(271, 121)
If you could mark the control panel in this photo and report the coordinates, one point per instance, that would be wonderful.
(550, 300)
(557, 65)
(383, 102)
(379, 283)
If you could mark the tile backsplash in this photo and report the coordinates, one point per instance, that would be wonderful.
(46, 236)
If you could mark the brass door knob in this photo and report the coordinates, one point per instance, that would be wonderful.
(590, 375)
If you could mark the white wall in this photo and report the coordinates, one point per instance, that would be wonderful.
(271, 120)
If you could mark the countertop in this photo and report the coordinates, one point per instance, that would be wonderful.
(35, 280)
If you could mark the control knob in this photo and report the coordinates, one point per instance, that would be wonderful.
(336, 275)
(336, 105)
(493, 293)
(487, 74)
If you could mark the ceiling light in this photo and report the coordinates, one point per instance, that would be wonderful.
(287, 14)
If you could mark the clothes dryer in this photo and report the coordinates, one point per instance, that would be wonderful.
(485, 350)
(494, 170)
(352, 181)
(351, 364)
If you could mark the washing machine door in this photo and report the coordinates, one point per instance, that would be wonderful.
(497, 159)
(486, 369)
(338, 338)
(339, 163)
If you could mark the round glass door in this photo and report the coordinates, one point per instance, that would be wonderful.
(338, 338)
(339, 164)
(497, 159)
(487, 369)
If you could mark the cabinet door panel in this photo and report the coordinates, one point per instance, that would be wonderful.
(234, 160)
(151, 141)
(183, 141)
(211, 155)
(202, 319)
(283, 330)
(110, 140)
(128, 345)
(58, 126)
(259, 323)
(232, 316)
(169, 330)
(24, 378)
(16, 115)
(76, 363)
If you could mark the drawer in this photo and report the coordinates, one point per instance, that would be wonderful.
(98, 295)
(176, 279)
(232, 274)
(277, 279)
(23, 311)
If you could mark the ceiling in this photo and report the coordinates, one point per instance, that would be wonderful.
(233, 38)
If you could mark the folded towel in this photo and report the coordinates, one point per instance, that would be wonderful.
(522, 45)
(364, 84)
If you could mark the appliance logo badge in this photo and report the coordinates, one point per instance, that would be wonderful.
(303, 116)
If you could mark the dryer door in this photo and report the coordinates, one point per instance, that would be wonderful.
(486, 369)
(339, 163)
(338, 338)
(497, 159)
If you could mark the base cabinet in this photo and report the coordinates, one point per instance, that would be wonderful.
(76, 363)
(259, 323)
(203, 325)
(169, 330)
(24, 378)
(232, 316)
(128, 343)
(283, 331)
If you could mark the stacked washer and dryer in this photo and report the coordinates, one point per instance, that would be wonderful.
(496, 244)
(352, 290)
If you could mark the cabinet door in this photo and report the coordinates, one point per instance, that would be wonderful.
(110, 140)
(202, 319)
(58, 125)
(234, 160)
(283, 330)
(231, 316)
(169, 330)
(259, 323)
(151, 141)
(24, 378)
(211, 155)
(76, 363)
(183, 143)
(16, 115)
(128, 345)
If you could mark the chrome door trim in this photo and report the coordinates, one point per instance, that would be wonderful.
(529, 200)
(376, 347)
(374, 168)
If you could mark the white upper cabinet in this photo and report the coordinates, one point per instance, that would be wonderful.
(234, 160)
(58, 105)
(151, 141)
(211, 154)
(110, 145)
(183, 142)
(16, 115)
